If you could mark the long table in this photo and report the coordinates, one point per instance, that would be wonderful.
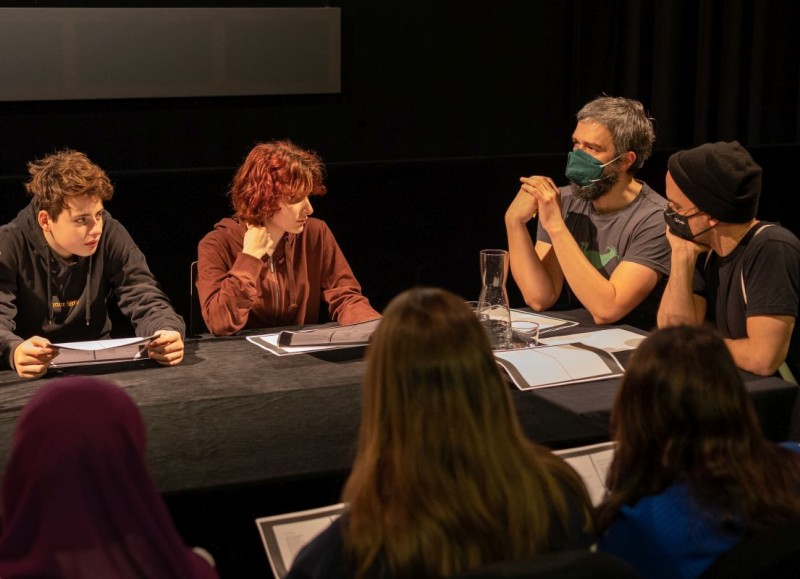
(234, 413)
(235, 432)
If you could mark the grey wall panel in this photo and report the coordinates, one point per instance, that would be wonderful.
(99, 53)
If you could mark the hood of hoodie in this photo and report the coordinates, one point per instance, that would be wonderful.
(64, 277)
(282, 257)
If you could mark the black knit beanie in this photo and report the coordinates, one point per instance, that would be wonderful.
(721, 179)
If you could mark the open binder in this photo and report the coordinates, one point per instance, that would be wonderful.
(546, 366)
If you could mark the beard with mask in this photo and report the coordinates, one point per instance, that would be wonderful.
(598, 188)
(589, 178)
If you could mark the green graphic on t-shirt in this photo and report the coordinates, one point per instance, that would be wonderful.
(597, 259)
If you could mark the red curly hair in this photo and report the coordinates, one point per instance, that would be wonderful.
(273, 172)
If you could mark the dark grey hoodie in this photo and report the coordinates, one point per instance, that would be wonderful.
(42, 294)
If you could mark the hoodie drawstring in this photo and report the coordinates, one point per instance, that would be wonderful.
(289, 254)
(87, 292)
(50, 295)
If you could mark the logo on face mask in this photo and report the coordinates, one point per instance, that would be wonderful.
(679, 224)
(583, 169)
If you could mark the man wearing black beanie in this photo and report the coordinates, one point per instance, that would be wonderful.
(727, 267)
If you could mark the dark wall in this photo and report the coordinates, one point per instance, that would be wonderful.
(444, 105)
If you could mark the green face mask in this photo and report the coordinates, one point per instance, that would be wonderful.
(584, 169)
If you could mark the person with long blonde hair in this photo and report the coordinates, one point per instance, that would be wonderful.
(692, 473)
(444, 480)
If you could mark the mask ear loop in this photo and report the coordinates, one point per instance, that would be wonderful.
(604, 165)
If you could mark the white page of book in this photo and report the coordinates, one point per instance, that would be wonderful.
(555, 364)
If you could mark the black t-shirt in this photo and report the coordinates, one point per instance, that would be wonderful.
(760, 277)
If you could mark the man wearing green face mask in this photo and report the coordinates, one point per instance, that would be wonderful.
(604, 233)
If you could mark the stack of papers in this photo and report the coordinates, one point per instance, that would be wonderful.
(100, 352)
(286, 343)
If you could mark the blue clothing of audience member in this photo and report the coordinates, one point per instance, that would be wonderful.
(692, 474)
(667, 535)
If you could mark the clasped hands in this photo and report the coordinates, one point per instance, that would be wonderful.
(537, 195)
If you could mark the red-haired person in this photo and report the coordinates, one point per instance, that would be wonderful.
(272, 264)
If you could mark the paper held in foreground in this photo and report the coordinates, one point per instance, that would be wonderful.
(100, 352)
(284, 535)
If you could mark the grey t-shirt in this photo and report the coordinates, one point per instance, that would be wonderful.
(635, 233)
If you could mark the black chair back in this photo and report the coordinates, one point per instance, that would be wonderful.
(195, 324)
(582, 564)
(770, 555)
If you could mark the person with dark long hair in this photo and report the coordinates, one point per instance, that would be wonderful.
(77, 498)
(273, 264)
(444, 480)
(692, 473)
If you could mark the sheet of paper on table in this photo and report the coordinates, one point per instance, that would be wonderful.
(546, 323)
(546, 366)
(100, 351)
(284, 535)
(610, 340)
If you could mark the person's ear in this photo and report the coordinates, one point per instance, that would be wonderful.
(44, 220)
(628, 159)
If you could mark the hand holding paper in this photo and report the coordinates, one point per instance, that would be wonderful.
(33, 356)
(166, 347)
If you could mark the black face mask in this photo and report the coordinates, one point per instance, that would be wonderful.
(679, 224)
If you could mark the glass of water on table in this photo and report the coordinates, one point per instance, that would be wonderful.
(525, 334)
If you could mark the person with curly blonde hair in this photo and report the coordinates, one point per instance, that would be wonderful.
(272, 264)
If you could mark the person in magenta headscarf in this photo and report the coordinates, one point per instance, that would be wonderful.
(77, 499)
